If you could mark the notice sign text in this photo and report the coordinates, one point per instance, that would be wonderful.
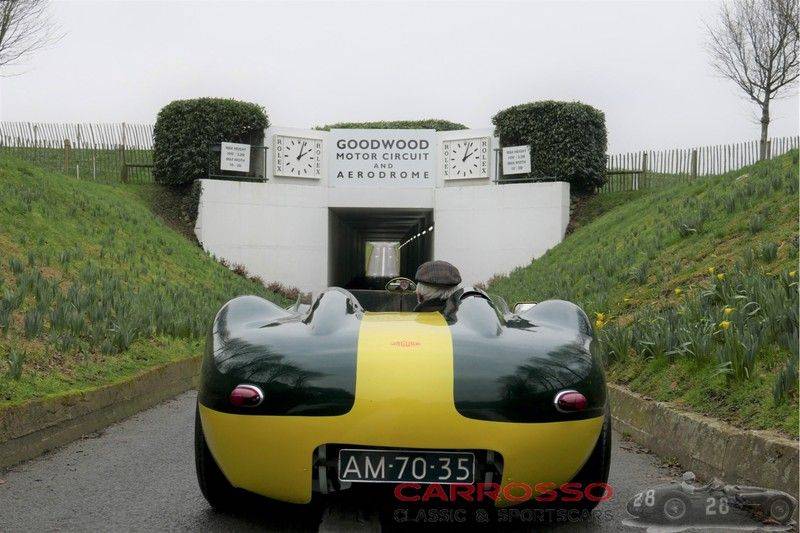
(382, 158)
(234, 157)
(517, 160)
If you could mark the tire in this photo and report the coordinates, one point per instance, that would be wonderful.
(216, 489)
(599, 463)
(675, 508)
(780, 509)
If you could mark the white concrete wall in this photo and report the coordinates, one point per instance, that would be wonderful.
(494, 229)
(279, 231)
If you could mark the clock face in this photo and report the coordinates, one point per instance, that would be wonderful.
(297, 157)
(466, 158)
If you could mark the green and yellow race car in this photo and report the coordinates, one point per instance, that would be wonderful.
(308, 401)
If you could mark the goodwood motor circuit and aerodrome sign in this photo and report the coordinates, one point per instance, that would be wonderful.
(402, 158)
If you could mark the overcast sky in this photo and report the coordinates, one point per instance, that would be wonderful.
(643, 63)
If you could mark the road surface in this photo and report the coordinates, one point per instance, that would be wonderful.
(139, 476)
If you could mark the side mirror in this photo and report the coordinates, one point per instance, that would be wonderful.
(521, 307)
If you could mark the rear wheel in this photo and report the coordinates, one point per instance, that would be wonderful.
(224, 497)
(675, 508)
(597, 466)
(780, 509)
(213, 484)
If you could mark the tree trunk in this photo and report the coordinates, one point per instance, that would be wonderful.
(764, 129)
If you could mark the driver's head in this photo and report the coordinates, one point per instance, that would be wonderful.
(436, 279)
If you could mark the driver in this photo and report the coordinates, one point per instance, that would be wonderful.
(436, 282)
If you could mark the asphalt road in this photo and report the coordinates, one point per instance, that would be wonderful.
(139, 476)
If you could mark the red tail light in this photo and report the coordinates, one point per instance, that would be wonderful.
(246, 396)
(570, 401)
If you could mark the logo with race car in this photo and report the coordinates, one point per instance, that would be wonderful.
(685, 503)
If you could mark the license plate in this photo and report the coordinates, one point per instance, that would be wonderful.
(406, 466)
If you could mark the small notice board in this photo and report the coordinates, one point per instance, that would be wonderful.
(234, 157)
(517, 160)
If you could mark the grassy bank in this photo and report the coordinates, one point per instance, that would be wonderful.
(93, 287)
(693, 290)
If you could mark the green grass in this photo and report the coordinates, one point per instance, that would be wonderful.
(587, 208)
(656, 270)
(95, 288)
(102, 165)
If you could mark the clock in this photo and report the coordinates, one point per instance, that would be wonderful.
(297, 157)
(466, 158)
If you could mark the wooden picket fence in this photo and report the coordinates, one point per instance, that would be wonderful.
(652, 168)
(100, 152)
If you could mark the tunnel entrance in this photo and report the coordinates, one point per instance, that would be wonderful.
(369, 246)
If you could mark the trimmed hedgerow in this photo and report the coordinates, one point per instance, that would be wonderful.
(427, 124)
(567, 140)
(185, 129)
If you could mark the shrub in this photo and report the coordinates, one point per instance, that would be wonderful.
(756, 223)
(427, 124)
(567, 140)
(15, 361)
(769, 251)
(185, 129)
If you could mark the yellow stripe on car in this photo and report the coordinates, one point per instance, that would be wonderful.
(404, 399)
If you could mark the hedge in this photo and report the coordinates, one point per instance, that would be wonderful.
(567, 140)
(427, 124)
(185, 129)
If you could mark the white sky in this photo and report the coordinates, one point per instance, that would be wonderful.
(642, 63)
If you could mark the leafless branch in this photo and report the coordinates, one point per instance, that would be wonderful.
(25, 27)
(754, 43)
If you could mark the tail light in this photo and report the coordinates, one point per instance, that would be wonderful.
(570, 401)
(246, 396)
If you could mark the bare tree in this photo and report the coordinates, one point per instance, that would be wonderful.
(25, 27)
(754, 44)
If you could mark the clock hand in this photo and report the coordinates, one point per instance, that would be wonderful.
(465, 153)
(470, 154)
(301, 151)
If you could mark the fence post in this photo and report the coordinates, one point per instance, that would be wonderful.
(124, 173)
(67, 149)
(694, 163)
(768, 153)
(643, 175)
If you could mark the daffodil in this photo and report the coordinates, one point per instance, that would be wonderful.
(678, 291)
(710, 270)
(727, 311)
(720, 276)
(793, 274)
(600, 316)
(725, 324)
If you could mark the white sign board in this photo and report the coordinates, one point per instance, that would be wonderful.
(382, 158)
(517, 160)
(234, 157)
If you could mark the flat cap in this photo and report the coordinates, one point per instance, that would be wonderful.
(438, 273)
